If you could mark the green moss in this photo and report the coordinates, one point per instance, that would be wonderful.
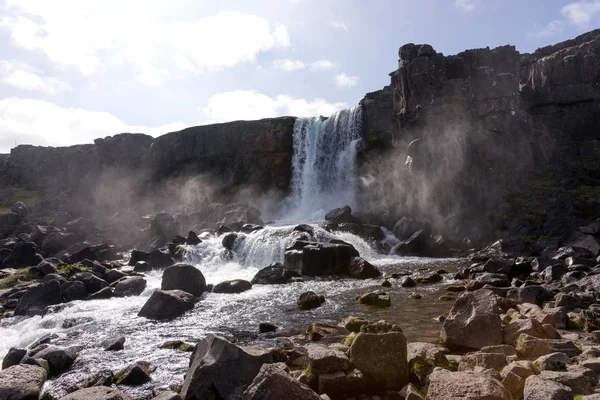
(177, 345)
(579, 348)
(22, 275)
(420, 368)
(71, 269)
(308, 371)
(29, 197)
(350, 339)
(578, 397)
(574, 324)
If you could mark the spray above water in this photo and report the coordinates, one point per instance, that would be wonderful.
(324, 164)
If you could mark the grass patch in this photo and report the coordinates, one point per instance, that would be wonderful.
(177, 345)
(579, 348)
(307, 371)
(22, 275)
(574, 324)
(350, 339)
(29, 197)
(71, 269)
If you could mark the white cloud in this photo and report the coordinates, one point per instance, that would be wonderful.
(581, 13)
(553, 28)
(28, 121)
(90, 35)
(25, 77)
(322, 65)
(249, 105)
(288, 65)
(346, 81)
(339, 25)
(465, 5)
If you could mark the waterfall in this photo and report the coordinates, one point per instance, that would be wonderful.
(324, 163)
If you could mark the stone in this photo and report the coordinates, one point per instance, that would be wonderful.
(22, 382)
(471, 314)
(165, 304)
(13, 357)
(592, 364)
(577, 381)
(320, 330)
(505, 349)
(74, 290)
(377, 299)
(209, 376)
(517, 326)
(273, 383)
(114, 275)
(515, 374)
(342, 385)
(159, 260)
(530, 294)
(408, 282)
(274, 274)
(340, 215)
(38, 297)
(552, 362)
(92, 282)
(132, 286)
(105, 293)
(97, 393)
(323, 360)
(309, 300)
(537, 388)
(141, 266)
(353, 324)
(426, 351)
(59, 360)
(134, 375)
(361, 269)
(495, 361)
(531, 348)
(184, 277)
(319, 259)
(444, 384)
(265, 327)
(114, 343)
(381, 357)
(233, 286)
(496, 280)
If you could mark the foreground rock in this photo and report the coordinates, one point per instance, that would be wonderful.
(444, 384)
(472, 314)
(233, 286)
(309, 300)
(210, 374)
(22, 382)
(36, 299)
(165, 304)
(184, 277)
(273, 383)
(97, 393)
(275, 273)
(537, 388)
(59, 360)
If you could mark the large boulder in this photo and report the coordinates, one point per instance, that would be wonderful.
(13, 357)
(22, 382)
(309, 300)
(74, 290)
(362, 269)
(379, 352)
(57, 241)
(274, 274)
(233, 286)
(340, 215)
(92, 283)
(444, 384)
(97, 393)
(184, 277)
(37, 298)
(165, 304)
(320, 259)
(210, 374)
(133, 286)
(273, 383)
(538, 388)
(59, 360)
(472, 314)
(159, 260)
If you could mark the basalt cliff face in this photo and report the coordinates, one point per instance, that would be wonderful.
(484, 136)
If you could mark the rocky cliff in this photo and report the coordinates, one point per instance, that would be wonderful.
(472, 129)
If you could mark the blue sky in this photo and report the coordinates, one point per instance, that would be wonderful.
(74, 70)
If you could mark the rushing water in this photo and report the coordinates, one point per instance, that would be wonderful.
(323, 165)
(85, 324)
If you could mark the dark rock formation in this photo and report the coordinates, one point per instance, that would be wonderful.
(184, 277)
(165, 304)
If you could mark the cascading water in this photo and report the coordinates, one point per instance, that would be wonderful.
(324, 163)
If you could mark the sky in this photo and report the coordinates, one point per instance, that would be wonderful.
(75, 70)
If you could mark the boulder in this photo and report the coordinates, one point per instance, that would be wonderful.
(210, 374)
(530, 347)
(552, 362)
(38, 297)
(97, 393)
(114, 343)
(74, 290)
(340, 215)
(134, 375)
(165, 304)
(323, 360)
(228, 240)
(309, 300)
(265, 327)
(133, 286)
(159, 260)
(13, 357)
(361, 269)
(377, 299)
(515, 374)
(471, 314)
(273, 383)
(22, 382)
(408, 282)
(141, 266)
(580, 381)
(59, 360)
(530, 294)
(517, 326)
(444, 384)
(320, 259)
(57, 241)
(114, 275)
(184, 277)
(342, 385)
(275, 273)
(102, 294)
(233, 286)
(92, 282)
(537, 388)
(138, 255)
(321, 330)
(379, 352)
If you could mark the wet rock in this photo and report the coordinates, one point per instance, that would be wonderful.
(386, 283)
(74, 290)
(184, 277)
(430, 277)
(159, 260)
(55, 277)
(377, 299)
(275, 273)
(415, 296)
(13, 357)
(209, 376)
(233, 286)
(134, 375)
(309, 300)
(380, 353)
(537, 388)
(444, 384)
(471, 314)
(323, 360)
(59, 360)
(142, 266)
(265, 327)
(137, 255)
(408, 282)
(92, 282)
(362, 269)
(304, 228)
(192, 239)
(97, 393)
(114, 275)
(101, 294)
(22, 382)
(340, 215)
(165, 304)
(273, 383)
(320, 259)
(133, 286)
(37, 298)
(101, 378)
(114, 343)
(39, 362)
(228, 240)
